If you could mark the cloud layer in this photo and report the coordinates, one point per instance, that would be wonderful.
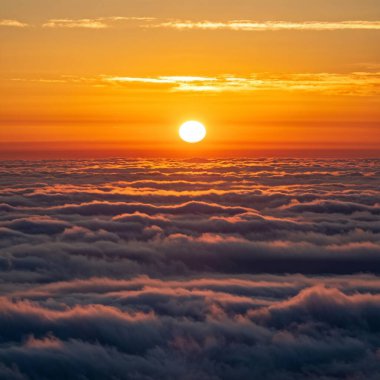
(257, 26)
(365, 83)
(356, 83)
(194, 269)
(177, 24)
(12, 23)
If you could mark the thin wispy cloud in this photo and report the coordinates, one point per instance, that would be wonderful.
(161, 79)
(93, 23)
(253, 26)
(357, 83)
(81, 23)
(13, 23)
(233, 25)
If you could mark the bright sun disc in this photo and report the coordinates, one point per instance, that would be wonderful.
(192, 132)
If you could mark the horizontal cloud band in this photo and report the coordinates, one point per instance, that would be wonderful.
(233, 25)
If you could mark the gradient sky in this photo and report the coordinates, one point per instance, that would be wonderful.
(121, 76)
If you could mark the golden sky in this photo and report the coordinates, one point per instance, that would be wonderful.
(122, 75)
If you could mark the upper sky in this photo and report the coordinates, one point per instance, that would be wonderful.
(122, 75)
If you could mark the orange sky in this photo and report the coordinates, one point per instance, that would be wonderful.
(121, 76)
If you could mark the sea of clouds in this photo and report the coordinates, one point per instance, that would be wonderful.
(193, 270)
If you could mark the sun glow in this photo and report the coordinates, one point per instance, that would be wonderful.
(192, 132)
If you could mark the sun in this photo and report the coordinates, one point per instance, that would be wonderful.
(192, 132)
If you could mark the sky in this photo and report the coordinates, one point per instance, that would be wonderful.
(119, 77)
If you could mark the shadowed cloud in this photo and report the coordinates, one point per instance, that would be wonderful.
(209, 269)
